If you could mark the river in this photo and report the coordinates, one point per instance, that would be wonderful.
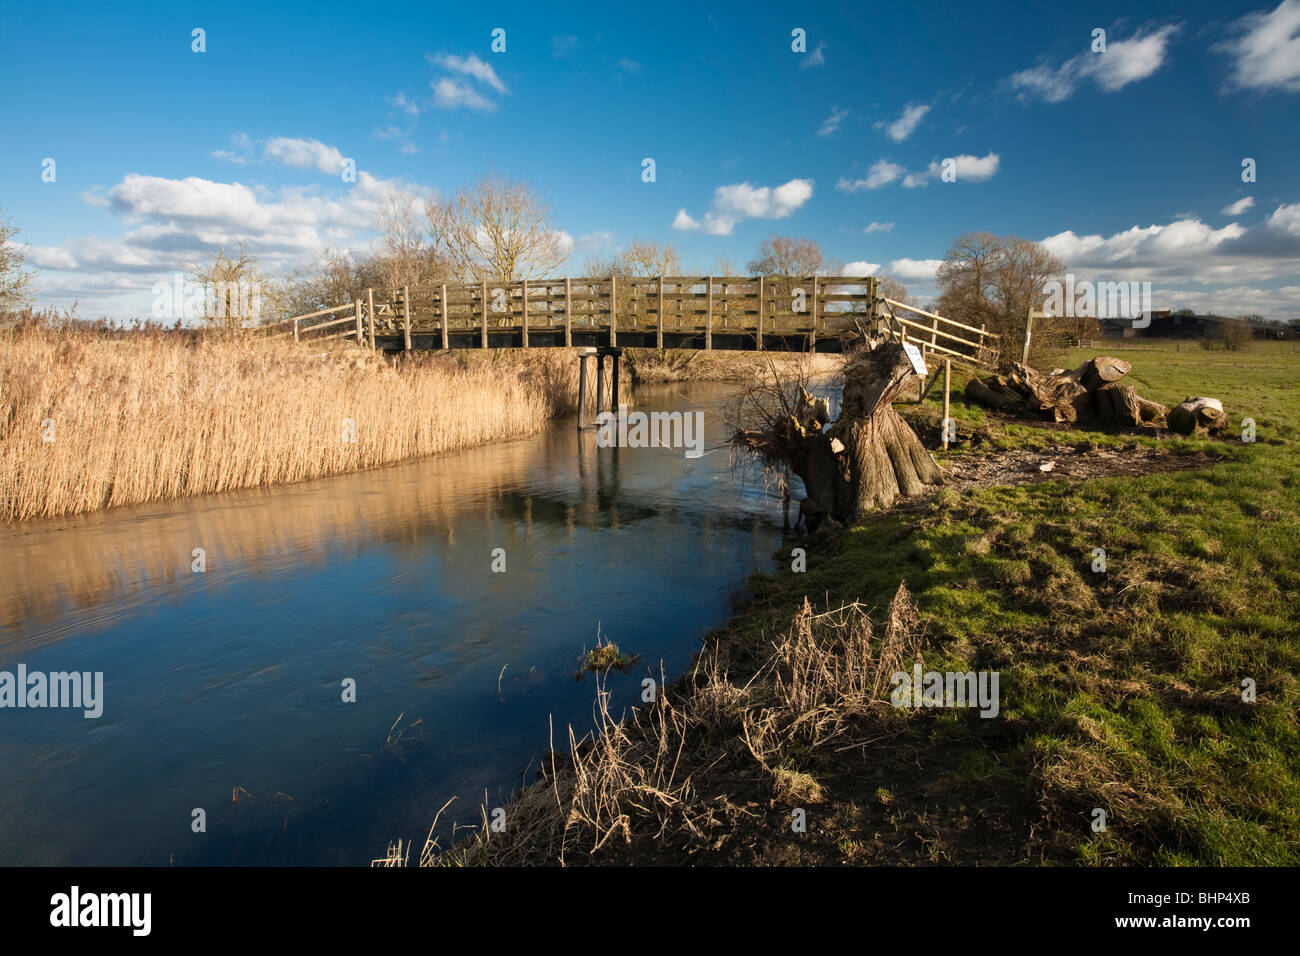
(224, 689)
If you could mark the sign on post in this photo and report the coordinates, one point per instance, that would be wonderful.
(917, 360)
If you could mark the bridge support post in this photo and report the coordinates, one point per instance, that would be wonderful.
(356, 308)
(583, 355)
(812, 339)
(947, 381)
(600, 383)
(483, 309)
(760, 313)
(708, 315)
(523, 310)
(659, 318)
(613, 311)
(568, 318)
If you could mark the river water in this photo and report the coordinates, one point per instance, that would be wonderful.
(223, 690)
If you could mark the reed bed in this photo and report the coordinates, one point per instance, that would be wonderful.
(93, 418)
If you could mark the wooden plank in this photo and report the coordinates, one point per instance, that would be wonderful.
(813, 338)
(446, 318)
(613, 311)
(483, 307)
(370, 310)
(568, 320)
(406, 314)
(931, 315)
(947, 336)
(357, 312)
(659, 319)
(760, 313)
(708, 316)
(523, 310)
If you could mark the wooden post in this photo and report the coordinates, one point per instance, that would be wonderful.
(370, 311)
(1029, 326)
(600, 384)
(708, 314)
(406, 313)
(659, 333)
(812, 347)
(947, 382)
(356, 308)
(613, 397)
(568, 319)
(295, 330)
(582, 391)
(760, 313)
(523, 314)
(613, 311)
(446, 344)
(483, 309)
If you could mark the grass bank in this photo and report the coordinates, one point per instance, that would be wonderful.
(94, 418)
(1121, 690)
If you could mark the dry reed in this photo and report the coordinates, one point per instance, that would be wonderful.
(93, 418)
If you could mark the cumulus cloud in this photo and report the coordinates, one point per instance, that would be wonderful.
(305, 154)
(879, 227)
(471, 66)
(1238, 207)
(452, 94)
(860, 268)
(881, 173)
(914, 270)
(735, 203)
(902, 127)
(1265, 49)
(816, 58)
(1122, 63)
(1187, 253)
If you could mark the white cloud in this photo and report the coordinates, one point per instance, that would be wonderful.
(833, 121)
(968, 169)
(402, 102)
(915, 269)
(902, 127)
(1122, 63)
(879, 227)
(452, 94)
(1238, 207)
(816, 58)
(471, 66)
(860, 268)
(241, 152)
(735, 203)
(881, 173)
(305, 154)
(1266, 49)
(629, 66)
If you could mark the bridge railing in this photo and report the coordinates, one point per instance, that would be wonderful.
(942, 336)
(699, 305)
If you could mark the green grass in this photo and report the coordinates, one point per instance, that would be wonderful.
(1120, 690)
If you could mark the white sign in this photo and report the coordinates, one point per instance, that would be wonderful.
(914, 354)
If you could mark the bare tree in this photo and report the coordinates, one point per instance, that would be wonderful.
(405, 255)
(641, 258)
(786, 256)
(994, 281)
(234, 290)
(891, 288)
(496, 229)
(15, 281)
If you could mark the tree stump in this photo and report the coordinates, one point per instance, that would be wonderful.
(867, 459)
(1197, 416)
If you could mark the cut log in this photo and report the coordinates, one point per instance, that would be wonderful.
(1197, 416)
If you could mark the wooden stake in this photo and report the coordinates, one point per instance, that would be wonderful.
(659, 333)
(613, 311)
(445, 319)
(523, 314)
(947, 382)
(356, 305)
(760, 313)
(812, 340)
(708, 315)
(483, 309)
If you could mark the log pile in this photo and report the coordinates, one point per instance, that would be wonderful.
(1091, 392)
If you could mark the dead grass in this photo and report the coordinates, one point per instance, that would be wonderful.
(662, 775)
(93, 418)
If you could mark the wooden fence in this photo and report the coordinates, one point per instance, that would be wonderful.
(653, 312)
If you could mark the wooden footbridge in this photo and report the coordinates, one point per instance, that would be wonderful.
(799, 313)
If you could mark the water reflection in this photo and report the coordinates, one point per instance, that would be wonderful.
(223, 688)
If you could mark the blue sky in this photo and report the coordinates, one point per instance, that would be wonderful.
(1126, 162)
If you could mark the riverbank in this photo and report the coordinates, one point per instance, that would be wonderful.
(1147, 706)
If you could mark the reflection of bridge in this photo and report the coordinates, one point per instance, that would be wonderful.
(802, 313)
